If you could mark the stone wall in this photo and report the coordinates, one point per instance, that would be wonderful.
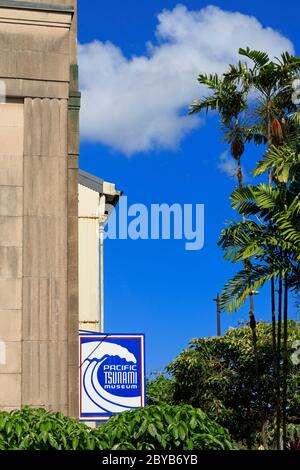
(39, 206)
(11, 252)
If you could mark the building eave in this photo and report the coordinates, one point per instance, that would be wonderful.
(100, 186)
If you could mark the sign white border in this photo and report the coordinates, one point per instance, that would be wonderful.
(93, 335)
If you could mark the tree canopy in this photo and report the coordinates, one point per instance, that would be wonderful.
(218, 375)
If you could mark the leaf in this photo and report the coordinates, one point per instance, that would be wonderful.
(8, 427)
(181, 432)
(75, 442)
(258, 57)
(53, 442)
(18, 430)
(45, 435)
(175, 432)
(152, 430)
(193, 422)
(168, 418)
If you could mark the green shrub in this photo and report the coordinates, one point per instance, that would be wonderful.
(155, 427)
(164, 428)
(219, 375)
(159, 390)
(37, 429)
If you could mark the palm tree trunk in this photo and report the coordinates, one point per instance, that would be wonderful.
(252, 318)
(240, 173)
(253, 330)
(276, 401)
(278, 420)
(269, 137)
(285, 364)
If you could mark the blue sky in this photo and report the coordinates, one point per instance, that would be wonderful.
(135, 134)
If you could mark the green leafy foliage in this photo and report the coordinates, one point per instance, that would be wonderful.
(164, 427)
(267, 239)
(156, 427)
(293, 436)
(283, 162)
(218, 375)
(159, 390)
(270, 239)
(37, 429)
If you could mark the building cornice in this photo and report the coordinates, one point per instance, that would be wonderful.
(19, 5)
(36, 14)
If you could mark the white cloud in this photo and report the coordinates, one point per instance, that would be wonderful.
(139, 104)
(228, 166)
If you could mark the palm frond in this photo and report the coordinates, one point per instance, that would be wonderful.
(237, 289)
(283, 161)
(207, 104)
(259, 58)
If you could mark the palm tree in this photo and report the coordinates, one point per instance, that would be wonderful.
(272, 241)
(285, 165)
(272, 84)
(258, 92)
(276, 121)
(230, 100)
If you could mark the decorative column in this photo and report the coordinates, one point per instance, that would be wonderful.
(73, 301)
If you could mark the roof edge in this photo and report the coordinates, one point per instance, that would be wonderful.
(100, 186)
(90, 181)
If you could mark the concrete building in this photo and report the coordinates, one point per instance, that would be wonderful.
(97, 198)
(39, 146)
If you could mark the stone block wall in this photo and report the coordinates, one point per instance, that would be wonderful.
(39, 147)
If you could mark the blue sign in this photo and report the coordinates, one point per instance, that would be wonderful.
(112, 374)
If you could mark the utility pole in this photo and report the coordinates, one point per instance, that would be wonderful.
(217, 300)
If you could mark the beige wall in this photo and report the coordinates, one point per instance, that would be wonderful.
(39, 207)
(88, 259)
(11, 242)
(45, 322)
(73, 38)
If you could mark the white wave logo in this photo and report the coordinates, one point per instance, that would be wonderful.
(95, 398)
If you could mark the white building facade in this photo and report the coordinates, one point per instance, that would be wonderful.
(95, 197)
